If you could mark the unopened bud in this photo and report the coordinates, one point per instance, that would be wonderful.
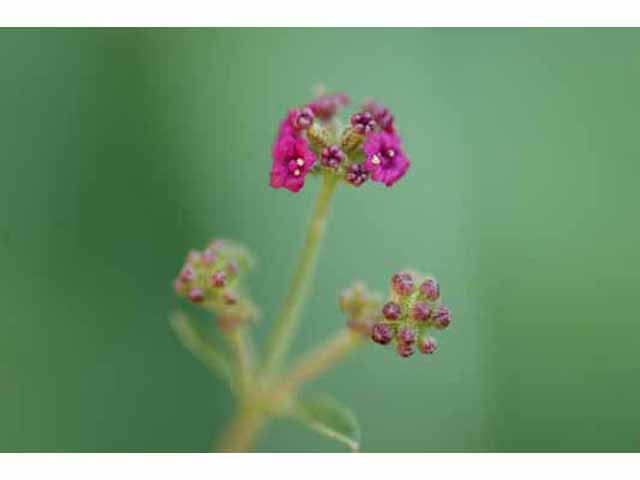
(391, 311)
(428, 345)
(381, 333)
(402, 283)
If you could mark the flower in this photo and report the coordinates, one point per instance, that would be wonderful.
(385, 159)
(292, 160)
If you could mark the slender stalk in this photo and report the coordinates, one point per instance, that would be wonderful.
(200, 346)
(243, 353)
(321, 359)
(287, 321)
(241, 432)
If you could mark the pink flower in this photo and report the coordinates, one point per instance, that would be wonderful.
(385, 159)
(292, 160)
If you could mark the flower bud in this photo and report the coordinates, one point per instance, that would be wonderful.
(187, 274)
(405, 349)
(391, 311)
(350, 139)
(332, 156)
(441, 317)
(196, 295)
(430, 289)
(318, 137)
(420, 312)
(356, 174)
(428, 345)
(363, 123)
(402, 283)
(301, 119)
(381, 333)
(218, 279)
(407, 335)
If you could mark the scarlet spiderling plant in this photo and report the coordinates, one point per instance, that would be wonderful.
(310, 142)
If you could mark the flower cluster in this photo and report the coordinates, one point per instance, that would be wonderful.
(368, 148)
(211, 278)
(413, 310)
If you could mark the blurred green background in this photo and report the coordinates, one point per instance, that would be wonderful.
(122, 149)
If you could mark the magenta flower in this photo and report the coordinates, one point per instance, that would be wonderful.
(385, 159)
(292, 160)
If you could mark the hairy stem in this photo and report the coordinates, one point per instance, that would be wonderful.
(287, 321)
(321, 359)
(241, 432)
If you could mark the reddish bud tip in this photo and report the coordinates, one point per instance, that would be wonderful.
(187, 274)
(428, 345)
(356, 174)
(218, 279)
(407, 335)
(420, 311)
(405, 349)
(402, 283)
(381, 333)
(441, 317)
(196, 295)
(391, 311)
(430, 289)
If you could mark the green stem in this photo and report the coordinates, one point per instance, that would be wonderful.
(242, 431)
(242, 350)
(287, 321)
(320, 359)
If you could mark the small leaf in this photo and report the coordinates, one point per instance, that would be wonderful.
(193, 339)
(327, 417)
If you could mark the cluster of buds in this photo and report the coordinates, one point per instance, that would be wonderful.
(362, 309)
(211, 278)
(368, 148)
(413, 310)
